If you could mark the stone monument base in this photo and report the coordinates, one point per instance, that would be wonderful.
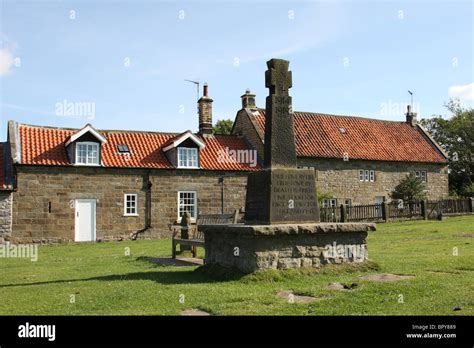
(251, 248)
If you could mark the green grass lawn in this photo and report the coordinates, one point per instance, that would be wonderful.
(104, 281)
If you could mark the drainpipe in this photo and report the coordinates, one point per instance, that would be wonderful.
(147, 186)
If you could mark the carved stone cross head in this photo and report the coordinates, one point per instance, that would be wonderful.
(277, 78)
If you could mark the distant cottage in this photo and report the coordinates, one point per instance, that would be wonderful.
(60, 184)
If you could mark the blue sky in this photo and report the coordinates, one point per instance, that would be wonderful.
(129, 59)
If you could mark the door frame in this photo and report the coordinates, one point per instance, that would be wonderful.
(94, 214)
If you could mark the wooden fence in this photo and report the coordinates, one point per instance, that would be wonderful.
(397, 211)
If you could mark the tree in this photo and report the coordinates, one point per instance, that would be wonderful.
(456, 136)
(223, 127)
(409, 189)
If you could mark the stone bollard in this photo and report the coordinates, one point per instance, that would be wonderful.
(185, 222)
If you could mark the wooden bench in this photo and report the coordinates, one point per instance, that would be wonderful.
(196, 237)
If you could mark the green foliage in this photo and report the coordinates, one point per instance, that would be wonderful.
(409, 189)
(324, 195)
(223, 127)
(456, 135)
(468, 191)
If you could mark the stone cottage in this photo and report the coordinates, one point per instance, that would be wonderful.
(356, 160)
(86, 184)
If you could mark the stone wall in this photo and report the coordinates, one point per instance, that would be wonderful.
(341, 178)
(43, 205)
(5, 216)
(249, 248)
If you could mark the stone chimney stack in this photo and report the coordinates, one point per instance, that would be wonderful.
(248, 100)
(205, 113)
(411, 117)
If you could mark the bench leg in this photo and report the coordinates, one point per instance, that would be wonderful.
(173, 250)
(194, 251)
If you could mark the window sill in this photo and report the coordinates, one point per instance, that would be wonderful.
(126, 215)
(86, 165)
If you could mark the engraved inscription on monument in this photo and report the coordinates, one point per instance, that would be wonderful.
(281, 193)
(293, 194)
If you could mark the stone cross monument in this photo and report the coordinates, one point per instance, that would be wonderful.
(280, 193)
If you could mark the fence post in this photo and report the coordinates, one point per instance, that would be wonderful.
(471, 204)
(343, 213)
(385, 214)
(424, 209)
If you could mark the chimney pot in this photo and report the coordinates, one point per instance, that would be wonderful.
(248, 100)
(411, 117)
(205, 90)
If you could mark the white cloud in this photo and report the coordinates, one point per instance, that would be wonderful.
(464, 92)
(6, 61)
(7, 58)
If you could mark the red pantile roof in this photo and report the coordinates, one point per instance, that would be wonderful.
(46, 146)
(331, 136)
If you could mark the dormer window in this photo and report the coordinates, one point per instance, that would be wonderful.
(87, 153)
(187, 157)
(183, 150)
(84, 147)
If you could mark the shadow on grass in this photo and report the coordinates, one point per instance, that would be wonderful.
(211, 273)
(200, 275)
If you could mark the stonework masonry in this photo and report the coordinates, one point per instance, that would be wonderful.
(5, 216)
(250, 248)
(43, 204)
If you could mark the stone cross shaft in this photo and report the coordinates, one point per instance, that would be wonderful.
(277, 78)
(279, 150)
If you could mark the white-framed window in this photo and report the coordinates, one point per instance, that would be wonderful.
(331, 202)
(348, 202)
(421, 174)
(187, 157)
(87, 153)
(367, 175)
(187, 202)
(130, 204)
(372, 176)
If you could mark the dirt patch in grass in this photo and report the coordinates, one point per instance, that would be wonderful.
(387, 277)
(291, 297)
(181, 262)
(341, 286)
(194, 312)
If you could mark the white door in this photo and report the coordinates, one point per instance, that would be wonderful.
(85, 220)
